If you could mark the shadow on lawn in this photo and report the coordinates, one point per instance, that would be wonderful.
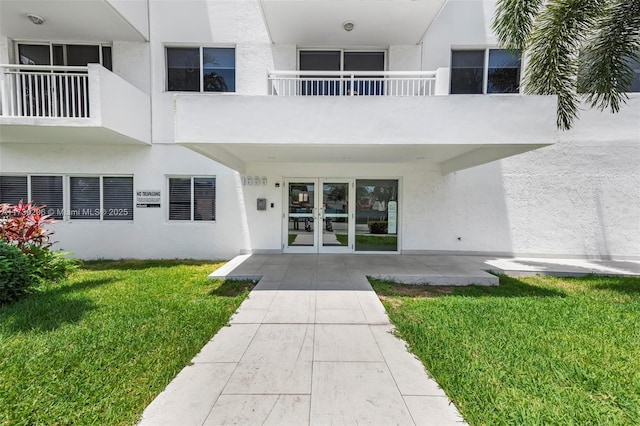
(233, 288)
(132, 264)
(509, 287)
(626, 285)
(48, 310)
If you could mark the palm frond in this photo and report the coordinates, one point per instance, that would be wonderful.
(606, 73)
(513, 21)
(556, 38)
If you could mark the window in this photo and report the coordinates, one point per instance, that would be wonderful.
(635, 83)
(43, 190)
(201, 69)
(47, 191)
(485, 71)
(13, 189)
(192, 198)
(101, 197)
(338, 60)
(64, 54)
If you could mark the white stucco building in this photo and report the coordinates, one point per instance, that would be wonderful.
(209, 128)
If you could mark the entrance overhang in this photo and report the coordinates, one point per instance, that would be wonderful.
(452, 132)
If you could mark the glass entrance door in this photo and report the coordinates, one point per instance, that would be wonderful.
(319, 216)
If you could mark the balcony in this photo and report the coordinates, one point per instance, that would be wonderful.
(53, 104)
(369, 117)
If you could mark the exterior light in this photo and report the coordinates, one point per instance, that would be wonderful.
(348, 25)
(35, 19)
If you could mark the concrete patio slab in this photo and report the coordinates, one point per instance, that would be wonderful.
(278, 361)
(350, 393)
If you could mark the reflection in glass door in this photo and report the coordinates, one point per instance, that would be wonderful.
(301, 215)
(319, 221)
(335, 214)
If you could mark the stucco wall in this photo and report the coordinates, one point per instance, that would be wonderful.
(150, 235)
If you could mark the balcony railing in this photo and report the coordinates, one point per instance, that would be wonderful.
(352, 83)
(44, 91)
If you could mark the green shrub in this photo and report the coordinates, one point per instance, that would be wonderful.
(49, 265)
(378, 227)
(17, 273)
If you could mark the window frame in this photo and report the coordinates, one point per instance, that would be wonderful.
(485, 70)
(342, 51)
(201, 65)
(30, 191)
(192, 205)
(101, 218)
(50, 44)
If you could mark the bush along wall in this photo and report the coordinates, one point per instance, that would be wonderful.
(26, 257)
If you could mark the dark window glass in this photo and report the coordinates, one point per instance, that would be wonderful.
(635, 83)
(320, 60)
(82, 54)
(47, 191)
(219, 69)
(467, 70)
(13, 189)
(183, 69)
(34, 54)
(503, 75)
(117, 193)
(58, 54)
(204, 198)
(365, 61)
(106, 58)
(180, 199)
(85, 197)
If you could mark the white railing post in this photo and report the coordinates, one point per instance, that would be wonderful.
(4, 87)
(353, 86)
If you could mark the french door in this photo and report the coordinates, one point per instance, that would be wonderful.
(319, 216)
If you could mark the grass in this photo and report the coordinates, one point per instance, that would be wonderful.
(371, 242)
(99, 347)
(533, 351)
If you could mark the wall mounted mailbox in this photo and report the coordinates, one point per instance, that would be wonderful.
(262, 203)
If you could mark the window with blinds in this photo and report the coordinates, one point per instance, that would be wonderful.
(47, 191)
(192, 198)
(106, 198)
(117, 198)
(84, 198)
(43, 190)
(13, 189)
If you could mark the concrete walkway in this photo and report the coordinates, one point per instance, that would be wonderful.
(312, 344)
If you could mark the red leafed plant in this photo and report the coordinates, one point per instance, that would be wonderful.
(23, 225)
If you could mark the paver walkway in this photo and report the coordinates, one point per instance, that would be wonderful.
(311, 344)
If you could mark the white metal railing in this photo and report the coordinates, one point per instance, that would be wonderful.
(44, 91)
(352, 83)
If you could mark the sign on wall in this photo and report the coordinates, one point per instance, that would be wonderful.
(148, 198)
(392, 210)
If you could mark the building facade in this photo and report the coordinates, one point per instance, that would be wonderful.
(209, 128)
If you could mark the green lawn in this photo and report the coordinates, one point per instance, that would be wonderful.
(371, 242)
(99, 347)
(534, 351)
